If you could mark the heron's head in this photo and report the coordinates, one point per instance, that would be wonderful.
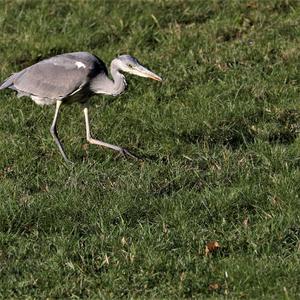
(129, 64)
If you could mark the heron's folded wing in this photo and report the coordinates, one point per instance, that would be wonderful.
(53, 78)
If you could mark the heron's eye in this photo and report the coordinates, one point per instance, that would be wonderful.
(130, 66)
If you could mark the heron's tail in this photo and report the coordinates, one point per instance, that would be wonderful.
(8, 82)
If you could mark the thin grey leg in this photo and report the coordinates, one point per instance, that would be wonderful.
(100, 143)
(54, 131)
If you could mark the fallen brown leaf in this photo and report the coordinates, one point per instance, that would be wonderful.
(85, 147)
(106, 260)
(165, 228)
(123, 241)
(246, 222)
(214, 286)
(252, 4)
(211, 247)
(182, 276)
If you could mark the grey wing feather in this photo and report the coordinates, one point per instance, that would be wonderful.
(56, 77)
(51, 79)
(9, 81)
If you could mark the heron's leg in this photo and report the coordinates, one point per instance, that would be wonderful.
(100, 143)
(54, 131)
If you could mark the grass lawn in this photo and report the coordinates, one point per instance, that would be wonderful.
(220, 141)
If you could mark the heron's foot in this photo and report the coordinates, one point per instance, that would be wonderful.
(125, 153)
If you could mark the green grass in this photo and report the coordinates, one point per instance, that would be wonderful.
(220, 138)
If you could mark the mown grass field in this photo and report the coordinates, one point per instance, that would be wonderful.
(220, 142)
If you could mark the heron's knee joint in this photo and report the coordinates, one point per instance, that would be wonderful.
(89, 139)
(53, 130)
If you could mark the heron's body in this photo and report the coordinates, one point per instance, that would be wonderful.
(74, 77)
(70, 77)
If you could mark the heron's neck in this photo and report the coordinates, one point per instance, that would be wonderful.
(101, 84)
(119, 83)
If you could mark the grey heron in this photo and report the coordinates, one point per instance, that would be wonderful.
(75, 77)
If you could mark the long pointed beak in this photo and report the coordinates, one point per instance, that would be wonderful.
(154, 76)
(144, 72)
